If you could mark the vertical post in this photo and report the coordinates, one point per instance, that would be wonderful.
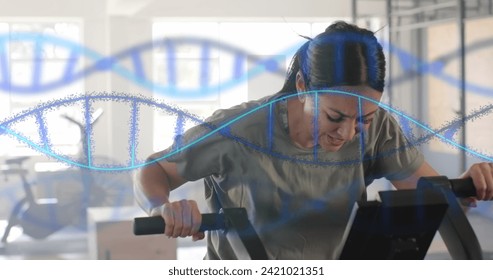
(389, 58)
(354, 11)
(420, 100)
(462, 64)
(417, 38)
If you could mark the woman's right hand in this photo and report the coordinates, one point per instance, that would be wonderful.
(182, 219)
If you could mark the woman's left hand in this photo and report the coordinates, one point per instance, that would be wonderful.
(482, 176)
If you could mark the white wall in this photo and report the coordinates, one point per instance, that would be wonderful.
(184, 8)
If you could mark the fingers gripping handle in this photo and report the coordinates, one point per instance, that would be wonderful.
(156, 224)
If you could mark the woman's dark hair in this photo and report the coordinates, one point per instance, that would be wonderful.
(344, 54)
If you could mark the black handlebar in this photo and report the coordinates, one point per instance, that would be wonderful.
(155, 225)
(463, 187)
(243, 239)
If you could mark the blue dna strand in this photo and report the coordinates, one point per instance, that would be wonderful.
(75, 68)
(136, 103)
(414, 66)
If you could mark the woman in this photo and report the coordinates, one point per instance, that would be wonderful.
(298, 164)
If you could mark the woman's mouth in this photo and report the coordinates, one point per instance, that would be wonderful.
(335, 141)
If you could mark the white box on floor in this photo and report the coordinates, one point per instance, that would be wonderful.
(110, 236)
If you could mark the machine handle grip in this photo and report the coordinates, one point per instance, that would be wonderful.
(156, 224)
(463, 187)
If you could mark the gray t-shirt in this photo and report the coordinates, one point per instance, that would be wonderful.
(298, 200)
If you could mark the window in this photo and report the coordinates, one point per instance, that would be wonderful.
(33, 70)
(214, 62)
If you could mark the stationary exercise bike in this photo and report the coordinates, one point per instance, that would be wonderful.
(400, 226)
(74, 192)
(38, 218)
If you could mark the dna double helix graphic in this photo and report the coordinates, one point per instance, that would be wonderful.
(170, 46)
(80, 55)
(134, 103)
(75, 70)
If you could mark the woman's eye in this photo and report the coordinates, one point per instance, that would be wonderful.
(336, 120)
(367, 121)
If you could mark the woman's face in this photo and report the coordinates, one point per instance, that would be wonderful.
(340, 117)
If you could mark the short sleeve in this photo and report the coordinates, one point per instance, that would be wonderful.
(201, 151)
(394, 156)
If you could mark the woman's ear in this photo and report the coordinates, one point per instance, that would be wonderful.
(300, 82)
(300, 86)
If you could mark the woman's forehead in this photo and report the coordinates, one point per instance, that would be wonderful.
(350, 102)
(356, 93)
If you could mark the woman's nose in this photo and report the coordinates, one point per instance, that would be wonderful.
(347, 130)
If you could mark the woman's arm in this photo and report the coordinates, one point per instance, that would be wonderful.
(481, 174)
(155, 181)
(412, 181)
(153, 185)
